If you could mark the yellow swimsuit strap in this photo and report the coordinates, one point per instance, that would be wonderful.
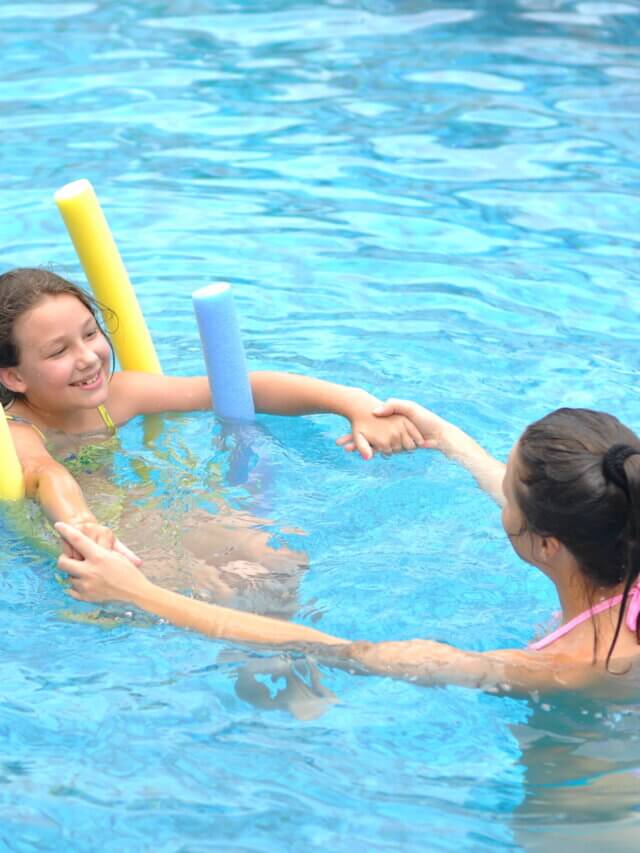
(104, 414)
(106, 417)
(18, 420)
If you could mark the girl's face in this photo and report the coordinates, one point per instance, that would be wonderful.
(64, 357)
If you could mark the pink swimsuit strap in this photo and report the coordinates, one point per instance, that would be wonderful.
(631, 618)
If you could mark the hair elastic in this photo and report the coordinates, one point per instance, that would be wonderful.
(613, 464)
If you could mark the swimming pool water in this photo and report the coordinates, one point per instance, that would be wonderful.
(434, 201)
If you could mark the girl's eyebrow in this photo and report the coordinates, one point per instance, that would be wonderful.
(51, 346)
(54, 341)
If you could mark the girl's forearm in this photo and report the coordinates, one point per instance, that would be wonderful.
(223, 622)
(59, 495)
(488, 471)
(292, 394)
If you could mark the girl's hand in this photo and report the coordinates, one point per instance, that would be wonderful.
(432, 428)
(104, 536)
(370, 432)
(96, 573)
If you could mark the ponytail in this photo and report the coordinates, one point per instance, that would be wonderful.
(623, 471)
(579, 481)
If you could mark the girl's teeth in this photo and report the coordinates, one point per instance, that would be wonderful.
(88, 381)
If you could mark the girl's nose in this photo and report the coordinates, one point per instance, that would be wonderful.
(86, 356)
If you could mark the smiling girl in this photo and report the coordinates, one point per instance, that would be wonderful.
(57, 381)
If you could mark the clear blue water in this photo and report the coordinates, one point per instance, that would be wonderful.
(435, 201)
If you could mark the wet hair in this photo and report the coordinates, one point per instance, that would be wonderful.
(21, 290)
(578, 480)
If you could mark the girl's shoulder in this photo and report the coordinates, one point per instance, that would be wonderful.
(18, 416)
(126, 395)
(23, 425)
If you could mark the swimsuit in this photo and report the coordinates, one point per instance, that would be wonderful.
(80, 456)
(102, 411)
(88, 453)
(106, 417)
(631, 618)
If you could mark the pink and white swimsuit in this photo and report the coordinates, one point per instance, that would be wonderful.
(631, 617)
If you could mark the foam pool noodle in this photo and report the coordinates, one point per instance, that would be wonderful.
(106, 273)
(109, 281)
(228, 378)
(224, 353)
(11, 477)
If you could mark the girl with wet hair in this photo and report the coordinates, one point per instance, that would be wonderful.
(570, 497)
(579, 482)
(57, 380)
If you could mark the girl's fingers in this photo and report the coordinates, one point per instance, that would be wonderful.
(67, 549)
(105, 540)
(393, 406)
(415, 433)
(407, 441)
(78, 540)
(121, 548)
(344, 439)
(363, 446)
(86, 548)
(73, 567)
(383, 410)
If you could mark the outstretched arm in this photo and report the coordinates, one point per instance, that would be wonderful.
(438, 434)
(275, 393)
(512, 672)
(291, 394)
(101, 575)
(105, 576)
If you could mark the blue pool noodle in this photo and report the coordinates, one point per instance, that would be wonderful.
(223, 352)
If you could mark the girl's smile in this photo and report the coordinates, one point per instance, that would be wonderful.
(90, 383)
(64, 358)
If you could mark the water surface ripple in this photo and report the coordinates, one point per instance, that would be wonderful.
(437, 201)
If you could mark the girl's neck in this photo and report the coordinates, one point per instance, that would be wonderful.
(577, 595)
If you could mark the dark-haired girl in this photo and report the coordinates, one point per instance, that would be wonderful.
(570, 497)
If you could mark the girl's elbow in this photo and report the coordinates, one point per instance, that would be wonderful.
(45, 471)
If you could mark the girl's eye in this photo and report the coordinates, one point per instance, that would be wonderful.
(91, 333)
(56, 353)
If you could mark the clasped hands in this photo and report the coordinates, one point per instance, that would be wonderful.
(392, 427)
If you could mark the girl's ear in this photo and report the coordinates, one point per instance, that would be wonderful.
(550, 546)
(11, 379)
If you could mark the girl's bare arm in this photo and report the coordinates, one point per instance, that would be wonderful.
(275, 393)
(101, 575)
(438, 434)
(104, 576)
(57, 491)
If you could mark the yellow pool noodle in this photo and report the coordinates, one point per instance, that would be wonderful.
(106, 273)
(11, 478)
